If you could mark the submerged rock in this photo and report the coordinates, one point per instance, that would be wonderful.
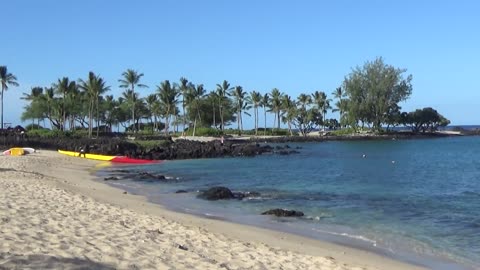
(111, 178)
(217, 193)
(248, 194)
(283, 213)
(181, 191)
(149, 176)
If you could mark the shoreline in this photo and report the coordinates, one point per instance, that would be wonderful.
(74, 179)
(344, 237)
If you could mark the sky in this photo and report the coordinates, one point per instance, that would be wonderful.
(295, 46)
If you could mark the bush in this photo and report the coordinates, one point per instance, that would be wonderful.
(342, 132)
(33, 127)
(204, 131)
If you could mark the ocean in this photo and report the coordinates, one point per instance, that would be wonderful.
(412, 200)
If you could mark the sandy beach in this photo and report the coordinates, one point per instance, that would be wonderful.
(53, 215)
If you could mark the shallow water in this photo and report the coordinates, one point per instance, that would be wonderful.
(417, 200)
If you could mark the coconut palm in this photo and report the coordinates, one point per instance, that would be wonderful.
(215, 98)
(168, 95)
(242, 103)
(289, 108)
(63, 87)
(131, 100)
(276, 105)
(304, 100)
(33, 110)
(52, 108)
(195, 94)
(7, 79)
(256, 99)
(265, 104)
(222, 90)
(151, 101)
(322, 103)
(108, 107)
(93, 87)
(184, 88)
(339, 94)
(131, 79)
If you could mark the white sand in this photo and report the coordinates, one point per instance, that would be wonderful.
(54, 216)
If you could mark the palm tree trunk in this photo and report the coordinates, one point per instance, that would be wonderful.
(265, 119)
(184, 114)
(278, 120)
(1, 126)
(256, 121)
(195, 125)
(238, 122)
(64, 113)
(274, 120)
(241, 123)
(90, 116)
(98, 117)
(133, 107)
(214, 124)
(221, 114)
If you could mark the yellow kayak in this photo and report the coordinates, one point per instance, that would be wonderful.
(118, 159)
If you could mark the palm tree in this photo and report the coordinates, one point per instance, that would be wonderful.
(49, 101)
(193, 98)
(131, 99)
(151, 101)
(94, 86)
(223, 89)
(184, 88)
(131, 79)
(289, 108)
(242, 104)
(276, 105)
(109, 105)
(215, 98)
(31, 112)
(265, 104)
(63, 87)
(339, 94)
(168, 98)
(322, 103)
(256, 99)
(304, 100)
(7, 79)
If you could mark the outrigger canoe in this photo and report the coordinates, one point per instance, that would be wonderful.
(117, 159)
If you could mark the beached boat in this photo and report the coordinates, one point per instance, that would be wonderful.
(18, 151)
(117, 159)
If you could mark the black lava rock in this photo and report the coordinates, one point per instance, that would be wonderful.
(217, 193)
(283, 213)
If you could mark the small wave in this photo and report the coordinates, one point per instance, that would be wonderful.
(358, 237)
(257, 198)
(319, 217)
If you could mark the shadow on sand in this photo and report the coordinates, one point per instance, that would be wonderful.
(11, 261)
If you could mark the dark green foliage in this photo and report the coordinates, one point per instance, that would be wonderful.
(424, 120)
(204, 131)
(33, 127)
(307, 119)
(370, 97)
(374, 92)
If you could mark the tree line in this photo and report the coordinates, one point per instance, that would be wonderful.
(369, 96)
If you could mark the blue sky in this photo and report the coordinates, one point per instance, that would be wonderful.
(296, 46)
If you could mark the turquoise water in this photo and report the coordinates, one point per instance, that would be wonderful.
(417, 200)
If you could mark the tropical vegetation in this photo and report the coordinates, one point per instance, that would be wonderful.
(369, 97)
